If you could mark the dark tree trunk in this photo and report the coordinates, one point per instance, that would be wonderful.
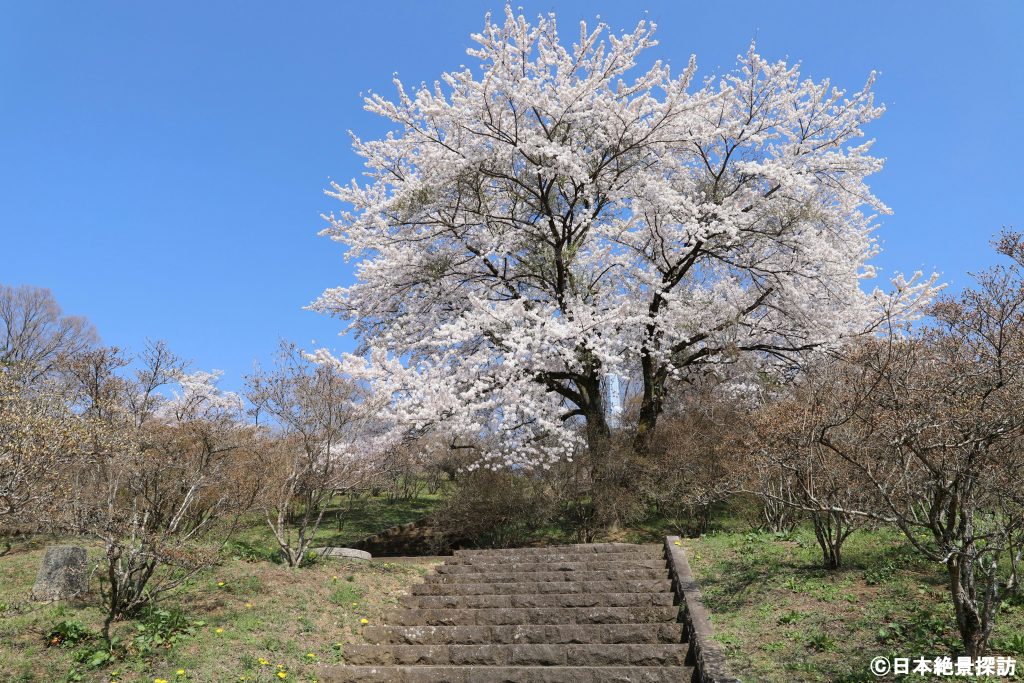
(831, 530)
(598, 432)
(651, 405)
(974, 631)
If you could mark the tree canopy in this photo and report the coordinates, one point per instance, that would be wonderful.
(568, 212)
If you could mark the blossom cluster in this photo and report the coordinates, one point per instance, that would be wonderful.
(561, 215)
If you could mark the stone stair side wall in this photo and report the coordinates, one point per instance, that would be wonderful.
(705, 654)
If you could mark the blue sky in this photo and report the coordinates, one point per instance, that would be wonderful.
(163, 163)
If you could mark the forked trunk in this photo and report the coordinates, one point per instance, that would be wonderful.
(974, 631)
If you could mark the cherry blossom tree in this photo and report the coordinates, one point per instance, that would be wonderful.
(568, 213)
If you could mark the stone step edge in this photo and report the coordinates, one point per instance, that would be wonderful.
(532, 587)
(339, 673)
(487, 560)
(472, 616)
(539, 634)
(635, 599)
(527, 654)
(547, 577)
(524, 567)
(594, 548)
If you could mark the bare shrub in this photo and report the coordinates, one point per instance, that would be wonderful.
(496, 508)
(930, 420)
(696, 458)
(154, 479)
(314, 446)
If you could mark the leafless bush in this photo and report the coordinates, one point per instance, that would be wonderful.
(155, 477)
(496, 509)
(314, 446)
(930, 421)
(696, 461)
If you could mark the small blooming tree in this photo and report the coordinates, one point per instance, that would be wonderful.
(317, 442)
(561, 215)
(39, 436)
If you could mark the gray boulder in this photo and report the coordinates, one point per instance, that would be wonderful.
(350, 553)
(63, 575)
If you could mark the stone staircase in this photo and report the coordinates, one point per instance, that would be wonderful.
(574, 614)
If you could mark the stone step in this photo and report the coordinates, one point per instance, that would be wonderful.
(663, 632)
(545, 600)
(571, 565)
(631, 574)
(517, 655)
(504, 674)
(539, 588)
(539, 615)
(640, 552)
(574, 548)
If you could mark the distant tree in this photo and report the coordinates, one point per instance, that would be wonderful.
(35, 334)
(562, 215)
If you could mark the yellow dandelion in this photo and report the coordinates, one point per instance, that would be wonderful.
(282, 675)
(220, 584)
(179, 672)
(248, 605)
(263, 662)
(159, 680)
(311, 655)
(364, 621)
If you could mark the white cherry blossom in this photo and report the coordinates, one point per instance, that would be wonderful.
(561, 214)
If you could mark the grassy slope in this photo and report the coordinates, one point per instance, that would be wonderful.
(782, 618)
(265, 610)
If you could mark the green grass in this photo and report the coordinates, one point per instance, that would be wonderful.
(783, 618)
(346, 521)
(779, 615)
(264, 611)
(217, 628)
